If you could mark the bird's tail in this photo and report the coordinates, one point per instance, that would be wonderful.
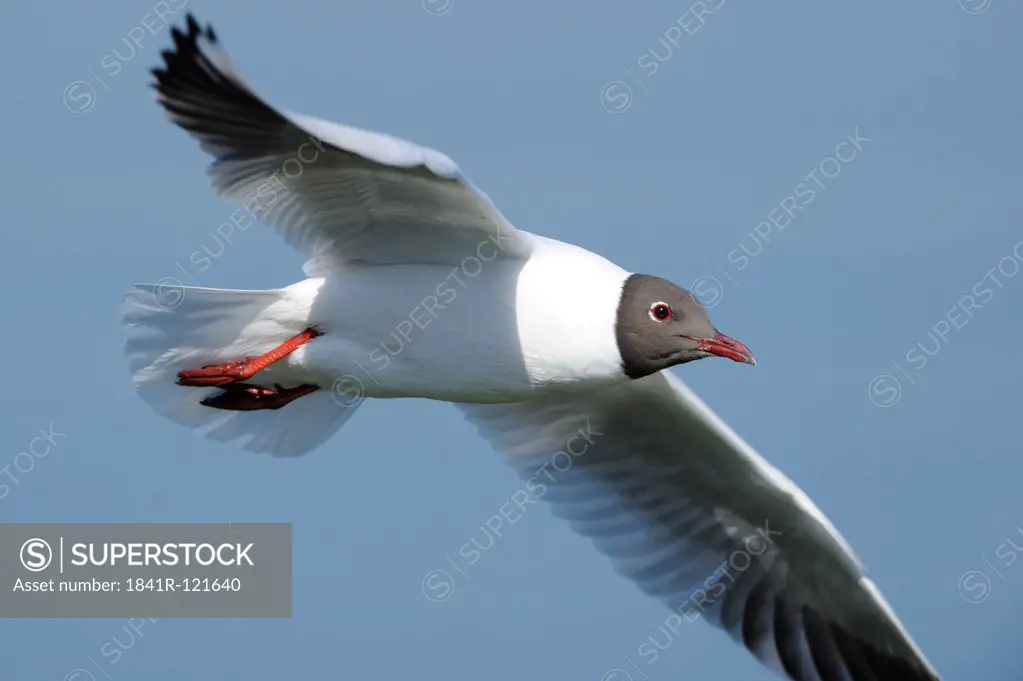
(175, 328)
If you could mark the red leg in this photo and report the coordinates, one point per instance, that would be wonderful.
(244, 397)
(243, 369)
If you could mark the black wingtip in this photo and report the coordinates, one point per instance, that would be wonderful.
(199, 91)
(188, 36)
(186, 48)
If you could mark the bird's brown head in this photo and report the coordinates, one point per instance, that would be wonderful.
(660, 325)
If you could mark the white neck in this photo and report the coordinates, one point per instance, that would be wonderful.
(567, 306)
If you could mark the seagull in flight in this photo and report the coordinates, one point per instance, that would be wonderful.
(417, 286)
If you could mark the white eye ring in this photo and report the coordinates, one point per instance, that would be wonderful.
(660, 311)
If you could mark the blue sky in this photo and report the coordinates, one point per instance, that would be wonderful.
(884, 311)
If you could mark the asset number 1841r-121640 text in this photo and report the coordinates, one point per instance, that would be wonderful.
(187, 584)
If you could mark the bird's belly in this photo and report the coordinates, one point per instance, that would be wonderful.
(395, 368)
(415, 331)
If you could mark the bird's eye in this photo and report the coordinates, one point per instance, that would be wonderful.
(659, 312)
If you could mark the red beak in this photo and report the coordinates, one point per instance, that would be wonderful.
(723, 346)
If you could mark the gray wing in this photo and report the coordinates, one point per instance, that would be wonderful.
(689, 512)
(334, 192)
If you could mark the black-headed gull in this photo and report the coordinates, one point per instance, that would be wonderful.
(555, 353)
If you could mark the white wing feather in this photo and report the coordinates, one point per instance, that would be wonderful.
(334, 192)
(695, 517)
